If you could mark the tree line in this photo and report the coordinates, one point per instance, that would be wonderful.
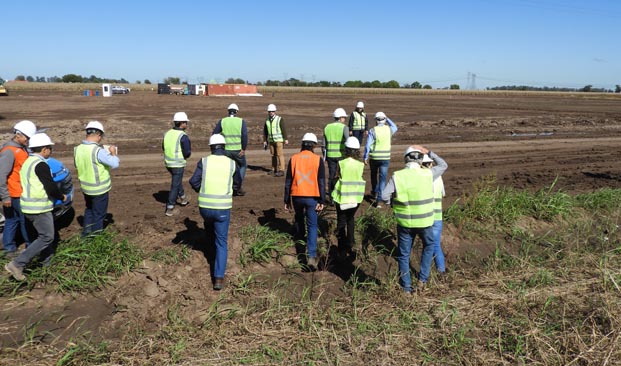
(74, 78)
(585, 89)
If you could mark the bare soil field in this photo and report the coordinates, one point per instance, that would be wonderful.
(526, 141)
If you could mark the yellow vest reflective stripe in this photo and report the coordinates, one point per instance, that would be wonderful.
(274, 133)
(414, 201)
(381, 145)
(217, 183)
(335, 140)
(359, 119)
(94, 176)
(173, 156)
(232, 132)
(350, 187)
(438, 193)
(34, 199)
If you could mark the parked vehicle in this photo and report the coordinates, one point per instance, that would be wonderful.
(116, 89)
(3, 90)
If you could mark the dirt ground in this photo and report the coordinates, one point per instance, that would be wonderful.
(525, 141)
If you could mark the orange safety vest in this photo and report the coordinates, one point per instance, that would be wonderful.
(13, 181)
(304, 168)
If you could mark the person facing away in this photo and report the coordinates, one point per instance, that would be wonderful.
(377, 153)
(274, 136)
(347, 194)
(359, 123)
(305, 192)
(411, 190)
(334, 136)
(39, 191)
(93, 163)
(213, 181)
(13, 154)
(235, 132)
(177, 149)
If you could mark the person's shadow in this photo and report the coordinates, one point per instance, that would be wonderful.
(198, 238)
(161, 196)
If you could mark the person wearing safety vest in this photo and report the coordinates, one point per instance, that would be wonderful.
(347, 194)
(93, 163)
(235, 133)
(39, 191)
(274, 136)
(177, 149)
(213, 181)
(305, 192)
(411, 190)
(359, 123)
(13, 154)
(438, 193)
(377, 154)
(334, 136)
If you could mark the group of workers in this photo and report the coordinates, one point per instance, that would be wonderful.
(415, 192)
(30, 192)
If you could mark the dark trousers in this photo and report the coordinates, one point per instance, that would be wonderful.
(332, 164)
(359, 134)
(95, 213)
(176, 186)
(345, 227)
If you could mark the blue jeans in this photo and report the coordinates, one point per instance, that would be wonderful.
(14, 219)
(438, 255)
(305, 208)
(380, 166)
(94, 213)
(176, 186)
(218, 221)
(406, 238)
(45, 243)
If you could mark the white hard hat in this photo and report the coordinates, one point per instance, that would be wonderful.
(339, 112)
(271, 108)
(180, 117)
(411, 150)
(360, 105)
(352, 143)
(427, 159)
(26, 128)
(40, 139)
(96, 125)
(310, 137)
(217, 139)
(233, 106)
(380, 116)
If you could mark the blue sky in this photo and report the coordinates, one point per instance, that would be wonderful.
(567, 43)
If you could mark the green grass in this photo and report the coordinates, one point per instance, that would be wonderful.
(260, 244)
(80, 264)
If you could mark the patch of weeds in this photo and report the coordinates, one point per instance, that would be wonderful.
(82, 264)
(260, 244)
(85, 354)
(603, 199)
(171, 255)
(542, 277)
(377, 228)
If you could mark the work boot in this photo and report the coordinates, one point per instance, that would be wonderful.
(15, 271)
(218, 284)
(421, 287)
(183, 201)
(312, 263)
(239, 192)
(169, 211)
(279, 173)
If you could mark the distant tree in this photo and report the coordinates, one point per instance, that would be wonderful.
(353, 84)
(454, 87)
(2, 80)
(587, 88)
(72, 78)
(53, 79)
(376, 84)
(426, 86)
(40, 79)
(138, 82)
(147, 81)
(417, 85)
(172, 80)
(617, 88)
(30, 78)
(20, 78)
(394, 84)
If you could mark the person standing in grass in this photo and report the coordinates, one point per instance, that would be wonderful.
(274, 136)
(213, 181)
(305, 192)
(93, 163)
(177, 149)
(377, 153)
(347, 194)
(39, 191)
(334, 136)
(413, 206)
(359, 123)
(438, 193)
(13, 154)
